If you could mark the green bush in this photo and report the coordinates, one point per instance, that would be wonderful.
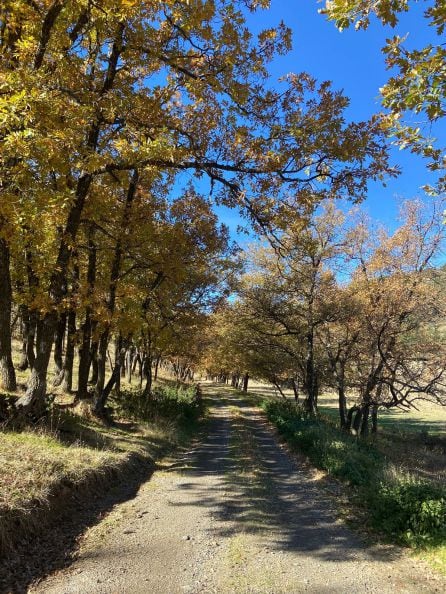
(328, 448)
(408, 510)
(175, 403)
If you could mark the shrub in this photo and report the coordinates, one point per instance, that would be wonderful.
(406, 509)
(174, 403)
(409, 510)
(328, 448)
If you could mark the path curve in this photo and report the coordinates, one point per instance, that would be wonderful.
(235, 514)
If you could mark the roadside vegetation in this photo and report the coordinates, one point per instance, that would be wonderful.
(125, 126)
(74, 456)
(400, 505)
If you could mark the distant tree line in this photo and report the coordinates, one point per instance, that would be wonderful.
(343, 306)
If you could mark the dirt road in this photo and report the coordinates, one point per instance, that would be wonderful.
(234, 515)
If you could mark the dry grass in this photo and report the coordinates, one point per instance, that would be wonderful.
(31, 465)
(42, 471)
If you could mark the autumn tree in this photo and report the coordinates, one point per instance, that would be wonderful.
(98, 98)
(399, 357)
(342, 305)
(415, 94)
(288, 294)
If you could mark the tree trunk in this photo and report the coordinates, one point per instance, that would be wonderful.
(84, 363)
(365, 421)
(295, 390)
(349, 421)
(99, 404)
(245, 382)
(311, 384)
(67, 383)
(94, 362)
(374, 419)
(140, 368)
(24, 331)
(277, 385)
(129, 364)
(356, 426)
(342, 405)
(33, 402)
(7, 372)
(84, 358)
(149, 375)
(101, 358)
(85, 354)
(29, 323)
(58, 349)
(118, 350)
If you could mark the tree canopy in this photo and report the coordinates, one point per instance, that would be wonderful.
(415, 93)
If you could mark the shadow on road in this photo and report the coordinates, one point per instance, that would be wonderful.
(262, 489)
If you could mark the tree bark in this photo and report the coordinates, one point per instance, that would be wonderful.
(349, 420)
(101, 358)
(365, 421)
(342, 405)
(33, 402)
(356, 425)
(58, 349)
(129, 364)
(85, 354)
(94, 362)
(157, 363)
(374, 419)
(24, 332)
(295, 390)
(67, 383)
(99, 405)
(311, 384)
(118, 350)
(149, 375)
(7, 372)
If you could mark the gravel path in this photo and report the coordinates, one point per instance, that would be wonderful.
(236, 514)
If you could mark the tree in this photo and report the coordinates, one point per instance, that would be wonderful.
(288, 297)
(94, 93)
(399, 357)
(418, 84)
(345, 306)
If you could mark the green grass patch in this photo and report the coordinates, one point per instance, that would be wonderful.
(406, 509)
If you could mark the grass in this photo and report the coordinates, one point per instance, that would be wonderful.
(436, 557)
(404, 508)
(414, 440)
(429, 418)
(32, 464)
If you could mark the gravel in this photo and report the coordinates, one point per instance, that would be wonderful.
(235, 514)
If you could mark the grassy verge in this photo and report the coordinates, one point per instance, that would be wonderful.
(74, 457)
(406, 509)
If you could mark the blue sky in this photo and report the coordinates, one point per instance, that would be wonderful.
(354, 62)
